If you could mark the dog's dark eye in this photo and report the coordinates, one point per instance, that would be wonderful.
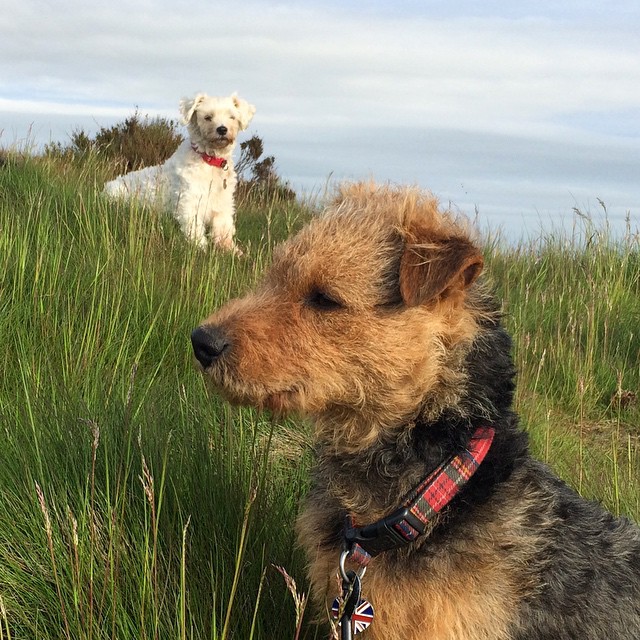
(232, 117)
(323, 302)
(208, 118)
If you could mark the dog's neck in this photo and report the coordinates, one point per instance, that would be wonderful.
(368, 483)
(211, 160)
(213, 151)
(418, 511)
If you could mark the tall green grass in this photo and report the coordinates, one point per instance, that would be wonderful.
(572, 301)
(133, 503)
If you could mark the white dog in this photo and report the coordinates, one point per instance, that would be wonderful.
(198, 181)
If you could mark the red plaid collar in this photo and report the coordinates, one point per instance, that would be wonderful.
(213, 161)
(409, 521)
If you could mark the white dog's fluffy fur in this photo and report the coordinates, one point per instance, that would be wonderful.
(198, 193)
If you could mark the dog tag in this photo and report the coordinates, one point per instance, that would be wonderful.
(361, 617)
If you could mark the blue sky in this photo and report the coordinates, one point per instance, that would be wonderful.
(520, 111)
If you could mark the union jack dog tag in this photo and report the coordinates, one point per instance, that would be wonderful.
(361, 617)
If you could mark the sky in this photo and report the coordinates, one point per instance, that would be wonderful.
(513, 113)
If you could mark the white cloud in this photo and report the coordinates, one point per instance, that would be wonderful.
(323, 64)
(353, 81)
(47, 107)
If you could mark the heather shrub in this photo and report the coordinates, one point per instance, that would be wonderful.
(135, 143)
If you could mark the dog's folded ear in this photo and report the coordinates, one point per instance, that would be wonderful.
(245, 110)
(188, 106)
(435, 268)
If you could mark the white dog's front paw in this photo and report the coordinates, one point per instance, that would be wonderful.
(202, 243)
(196, 234)
(227, 244)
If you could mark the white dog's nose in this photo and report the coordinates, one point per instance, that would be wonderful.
(222, 130)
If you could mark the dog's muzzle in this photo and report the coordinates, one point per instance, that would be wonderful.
(222, 142)
(209, 343)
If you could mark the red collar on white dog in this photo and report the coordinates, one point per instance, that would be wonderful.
(212, 161)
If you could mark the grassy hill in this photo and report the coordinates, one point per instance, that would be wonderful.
(134, 504)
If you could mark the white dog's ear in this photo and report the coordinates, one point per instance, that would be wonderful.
(188, 106)
(246, 110)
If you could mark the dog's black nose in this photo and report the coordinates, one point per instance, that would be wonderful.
(222, 130)
(209, 343)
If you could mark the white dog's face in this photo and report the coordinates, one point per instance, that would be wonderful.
(215, 122)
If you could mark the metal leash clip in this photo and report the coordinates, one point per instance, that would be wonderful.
(352, 611)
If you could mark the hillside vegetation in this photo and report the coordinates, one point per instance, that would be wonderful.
(133, 502)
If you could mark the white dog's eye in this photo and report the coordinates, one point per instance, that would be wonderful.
(232, 117)
(208, 118)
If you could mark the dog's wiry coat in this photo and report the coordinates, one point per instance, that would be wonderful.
(372, 320)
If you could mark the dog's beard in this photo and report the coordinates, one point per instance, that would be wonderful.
(221, 142)
(282, 403)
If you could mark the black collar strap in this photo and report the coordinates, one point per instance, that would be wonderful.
(410, 521)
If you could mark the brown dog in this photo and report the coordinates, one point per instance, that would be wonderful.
(372, 320)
